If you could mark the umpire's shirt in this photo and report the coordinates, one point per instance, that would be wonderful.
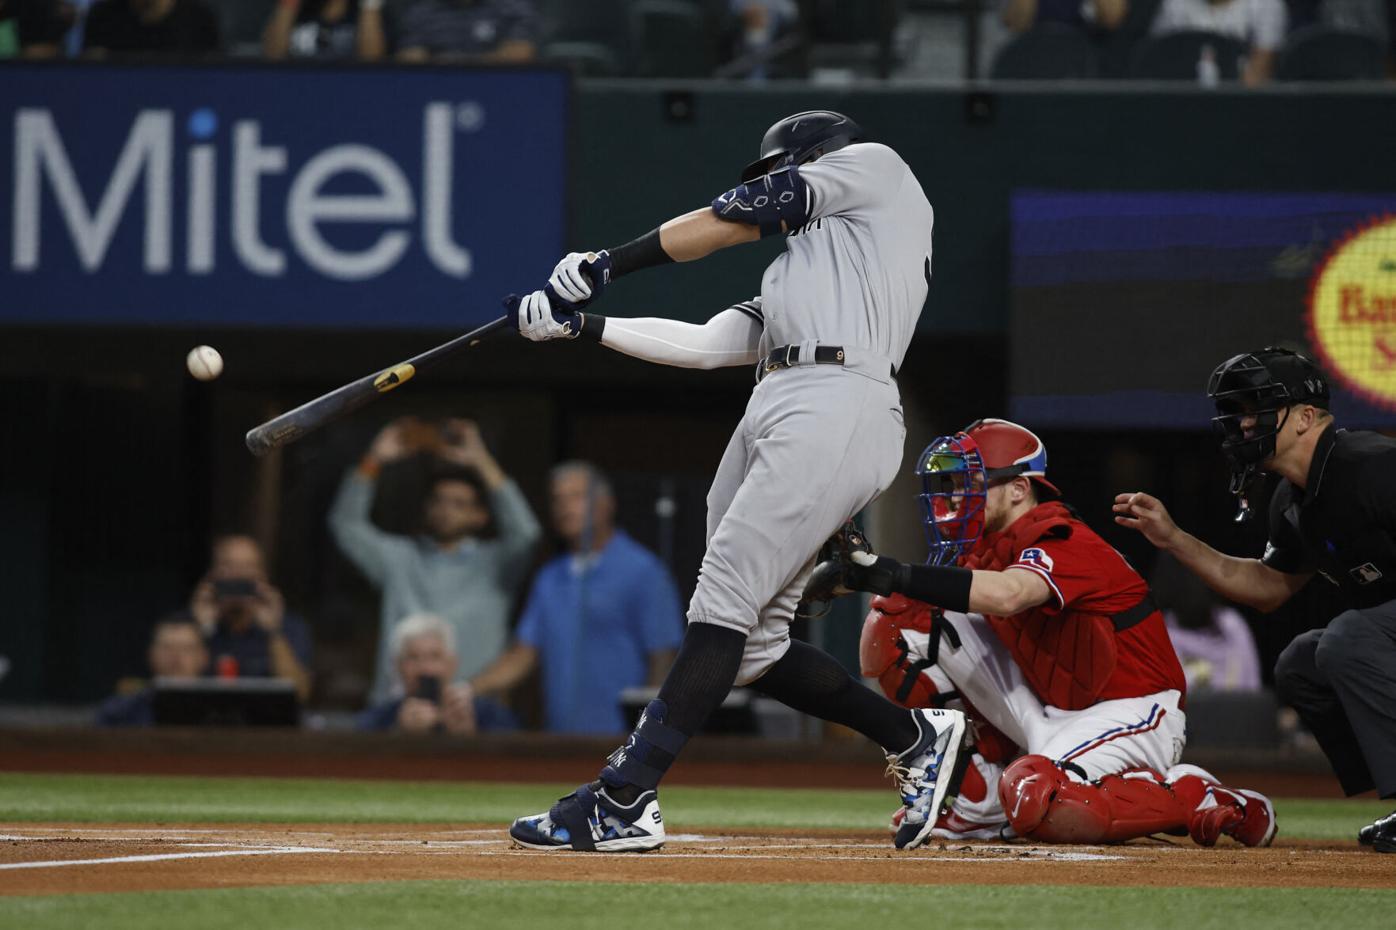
(1343, 523)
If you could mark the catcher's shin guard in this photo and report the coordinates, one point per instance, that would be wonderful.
(1048, 804)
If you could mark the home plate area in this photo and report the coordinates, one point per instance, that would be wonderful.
(58, 858)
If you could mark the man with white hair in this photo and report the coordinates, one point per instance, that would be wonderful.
(424, 653)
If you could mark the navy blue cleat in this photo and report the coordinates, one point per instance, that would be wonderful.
(1381, 835)
(590, 820)
(928, 774)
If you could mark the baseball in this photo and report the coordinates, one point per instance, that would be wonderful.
(204, 363)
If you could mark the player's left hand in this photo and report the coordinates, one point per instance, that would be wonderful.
(539, 319)
(580, 278)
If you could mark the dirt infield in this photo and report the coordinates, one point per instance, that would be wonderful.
(74, 858)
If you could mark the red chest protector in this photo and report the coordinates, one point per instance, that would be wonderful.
(1069, 657)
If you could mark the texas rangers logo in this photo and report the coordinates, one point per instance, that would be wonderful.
(1037, 558)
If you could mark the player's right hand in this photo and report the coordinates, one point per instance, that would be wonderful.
(581, 277)
(538, 319)
(1146, 514)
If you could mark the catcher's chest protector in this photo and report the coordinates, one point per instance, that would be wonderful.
(1067, 658)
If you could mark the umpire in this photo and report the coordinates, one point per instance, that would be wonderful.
(1333, 512)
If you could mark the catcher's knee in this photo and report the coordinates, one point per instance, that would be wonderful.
(1043, 803)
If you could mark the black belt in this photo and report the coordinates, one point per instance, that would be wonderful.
(789, 356)
(1135, 615)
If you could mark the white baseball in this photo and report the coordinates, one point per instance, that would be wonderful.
(204, 363)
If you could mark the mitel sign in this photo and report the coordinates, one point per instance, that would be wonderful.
(266, 196)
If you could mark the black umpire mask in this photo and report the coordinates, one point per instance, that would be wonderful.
(1253, 393)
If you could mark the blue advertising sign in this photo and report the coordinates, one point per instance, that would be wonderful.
(229, 196)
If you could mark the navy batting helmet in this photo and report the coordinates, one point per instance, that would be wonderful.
(795, 139)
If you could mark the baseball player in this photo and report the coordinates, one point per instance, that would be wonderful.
(1333, 512)
(821, 438)
(1048, 633)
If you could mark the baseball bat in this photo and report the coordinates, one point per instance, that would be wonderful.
(311, 415)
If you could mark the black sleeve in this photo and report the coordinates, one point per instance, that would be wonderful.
(208, 38)
(1285, 550)
(1379, 489)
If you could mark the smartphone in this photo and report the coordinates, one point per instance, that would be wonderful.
(429, 689)
(226, 588)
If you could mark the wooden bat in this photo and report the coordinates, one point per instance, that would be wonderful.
(293, 424)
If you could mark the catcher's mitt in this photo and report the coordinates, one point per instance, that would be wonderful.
(835, 560)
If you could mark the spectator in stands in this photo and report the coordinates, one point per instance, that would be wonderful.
(761, 23)
(244, 620)
(33, 28)
(326, 29)
(602, 617)
(1213, 641)
(1022, 15)
(177, 651)
(1258, 23)
(425, 654)
(149, 27)
(451, 569)
(468, 30)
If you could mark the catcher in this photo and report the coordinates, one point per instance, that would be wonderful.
(1049, 637)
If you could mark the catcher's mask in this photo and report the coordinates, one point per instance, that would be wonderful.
(1254, 393)
(953, 490)
(956, 472)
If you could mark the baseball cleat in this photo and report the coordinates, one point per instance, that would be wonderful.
(590, 820)
(1380, 835)
(1244, 815)
(928, 774)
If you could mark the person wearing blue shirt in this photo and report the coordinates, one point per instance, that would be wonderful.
(602, 617)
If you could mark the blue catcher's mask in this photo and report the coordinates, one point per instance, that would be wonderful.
(954, 487)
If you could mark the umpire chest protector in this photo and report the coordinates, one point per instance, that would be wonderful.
(1343, 522)
(1068, 657)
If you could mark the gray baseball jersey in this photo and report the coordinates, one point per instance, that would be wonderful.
(818, 443)
(857, 273)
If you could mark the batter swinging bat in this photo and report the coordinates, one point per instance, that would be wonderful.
(312, 415)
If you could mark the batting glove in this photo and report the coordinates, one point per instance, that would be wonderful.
(537, 319)
(581, 277)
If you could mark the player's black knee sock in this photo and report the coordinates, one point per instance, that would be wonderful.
(702, 675)
(813, 682)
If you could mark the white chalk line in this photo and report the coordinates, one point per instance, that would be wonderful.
(164, 857)
(913, 859)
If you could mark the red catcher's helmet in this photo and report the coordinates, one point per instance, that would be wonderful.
(1010, 450)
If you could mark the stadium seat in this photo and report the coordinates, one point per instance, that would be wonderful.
(596, 22)
(1322, 53)
(586, 59)
(1117, 47)
(1174, 57)
(855, 35)
(240, 25)
(1050, 51)
(671, 39)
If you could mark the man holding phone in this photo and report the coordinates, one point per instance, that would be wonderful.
(244, 620)
(425, 655)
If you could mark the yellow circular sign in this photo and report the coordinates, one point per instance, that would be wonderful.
(1352, 312)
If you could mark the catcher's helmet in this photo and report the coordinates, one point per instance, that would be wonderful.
(1260, 386)
(793, 140)
(956, 472)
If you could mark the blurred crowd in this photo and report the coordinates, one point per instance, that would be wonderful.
(489, 621)
(833, 41)
(471, 609)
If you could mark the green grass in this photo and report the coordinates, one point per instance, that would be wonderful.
(165, 799)
(583, 906)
